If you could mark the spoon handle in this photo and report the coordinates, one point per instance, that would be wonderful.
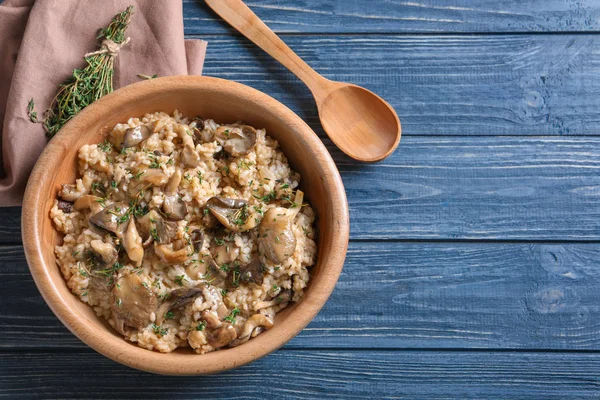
(238, 15)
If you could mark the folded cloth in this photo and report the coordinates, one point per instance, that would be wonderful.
(42, 41)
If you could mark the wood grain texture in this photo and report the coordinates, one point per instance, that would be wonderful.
(439, 85)
(456, 188)
(191, 95)
(397, 16)
(402, 295)
(360, 123)
(314, 375)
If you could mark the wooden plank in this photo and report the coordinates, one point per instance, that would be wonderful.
(440, 85)
(493, 188)
(313, 375)
(428, 16)
(402, 295)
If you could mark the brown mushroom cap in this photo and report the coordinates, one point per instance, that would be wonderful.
(132, 303)
(177, 299)
(276, 237)
(105, 252)
(65, 206)
(234, 214)
(252, 272)
(277, 241)
(112, 218)
(252, 327)
(222, 336)
(153, 224)
(197, 238)
(236, 140)
(135, 136)
(174, 208)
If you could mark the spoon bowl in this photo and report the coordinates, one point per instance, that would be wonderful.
(360, 123)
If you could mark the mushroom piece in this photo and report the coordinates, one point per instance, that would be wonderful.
(166, 253)
(153, 227)
(132, 303)
(253, 326)
(144, 179)
(132, 242)
(69, 192)
(190, 157)
(216, 274)
(135, 136)
(177, 299)
(252, 272)
(65, 206)
(197, 238)
(222, 336)
(154, 176)
(88, 201)
(111, 219)
(173, 207)
(105, 252)
(236, 140)
(232, 213)
(276, 237)
(285, 296)
(212, 320)
(225, 253)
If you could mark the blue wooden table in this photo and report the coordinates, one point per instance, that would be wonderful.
(474, 264)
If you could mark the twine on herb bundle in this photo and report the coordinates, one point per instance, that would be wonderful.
(88, 84)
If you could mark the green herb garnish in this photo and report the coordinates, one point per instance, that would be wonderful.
(231, 317)
(87, 84)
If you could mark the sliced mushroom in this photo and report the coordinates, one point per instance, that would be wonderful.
(222, 336)
(252, 272)
(211, 318)
(177, 299)
(106, 252)
(132, 242)
(166, 253)
(135, 136)
(155, 177)
(174, 208)
(112, 219)
(276, 237)
(190, 157)
(285, 296)
(88, 201)
(174, 182)
(216, 274)
(69, 192)
(153, 227)
(225, 253)
(237, 140)
(253, 326)
(197, 238)
(132, 303)
(65, 206)
(234, 214)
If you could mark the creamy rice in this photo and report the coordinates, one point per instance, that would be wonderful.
(169, 285)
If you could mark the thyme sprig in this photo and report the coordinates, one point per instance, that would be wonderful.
(87, 84)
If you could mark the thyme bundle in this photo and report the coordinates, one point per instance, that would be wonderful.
(87, 84)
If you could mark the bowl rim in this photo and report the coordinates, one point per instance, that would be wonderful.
(130, 354)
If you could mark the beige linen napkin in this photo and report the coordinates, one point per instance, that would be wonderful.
(42, 41)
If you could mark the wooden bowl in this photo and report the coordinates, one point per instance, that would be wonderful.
(223, 101)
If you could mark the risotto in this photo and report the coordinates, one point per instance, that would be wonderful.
(183, 232)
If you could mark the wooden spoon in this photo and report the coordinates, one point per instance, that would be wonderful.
(360, 123)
